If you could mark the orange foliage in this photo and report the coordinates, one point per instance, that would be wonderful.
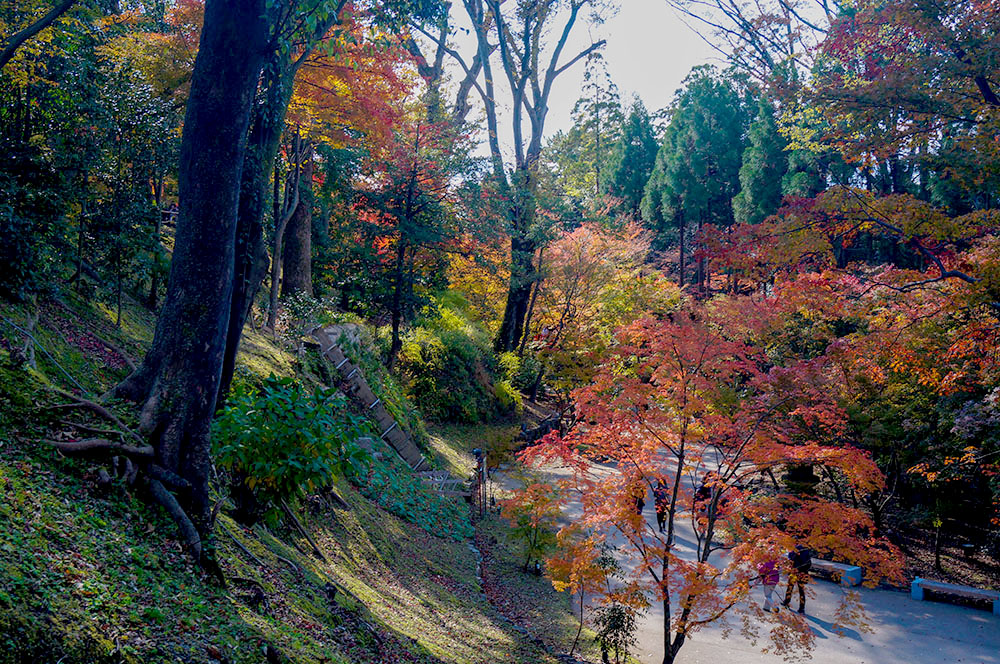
(688, 400)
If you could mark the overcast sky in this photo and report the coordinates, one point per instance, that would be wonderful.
(649, 52)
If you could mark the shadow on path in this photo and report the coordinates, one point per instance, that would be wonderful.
(833, 628)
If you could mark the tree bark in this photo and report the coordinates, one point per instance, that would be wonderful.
(267, 123)
(11, 45)
(265, 137)
(397, 304)
(297, 257)
(680, 233)
(179, 377)
(531, 305)
(279, 236)
(522, 264)
(154, 277)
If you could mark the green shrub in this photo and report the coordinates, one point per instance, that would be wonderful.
(448, 366)
(394, 487)
(508, 398)
(281, 441)
(532, 513)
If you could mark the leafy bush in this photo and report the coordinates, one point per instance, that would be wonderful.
(282, 440)
(508, 398)
(449, 368)
(393, 486)
(616, 619)
(616, 626)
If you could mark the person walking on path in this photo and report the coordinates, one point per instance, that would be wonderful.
(640, 502)
(661, 499)
(769, 578)
(801, 559)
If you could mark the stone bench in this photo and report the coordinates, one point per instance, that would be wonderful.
(918, 586)
(849, 575)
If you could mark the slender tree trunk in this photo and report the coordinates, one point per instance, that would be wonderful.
(81, 237)
(681, 230)
(179, 377)
(579, 628)
(397, 304)
(701, 263)
(668, 655)
(297, 256)
(154, 277)
(531, 305)
(267, 124)
(279, 234)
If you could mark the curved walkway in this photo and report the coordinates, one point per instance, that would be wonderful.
(906, 631)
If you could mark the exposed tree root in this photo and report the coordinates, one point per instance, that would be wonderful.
(79, 402)
(243, 548)
(298, 526)
(168, 478)
(291, 563)
(192, 540)
(102, 447)
(94, 430)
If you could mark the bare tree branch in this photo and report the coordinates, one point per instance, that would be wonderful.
(13, 43)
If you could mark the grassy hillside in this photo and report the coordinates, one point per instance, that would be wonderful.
(90, 573)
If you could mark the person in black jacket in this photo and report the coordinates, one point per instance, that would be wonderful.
(661, 497)
(801, 559)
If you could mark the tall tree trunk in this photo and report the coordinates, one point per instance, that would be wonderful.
(267, 123)
(701, 263)
(297, 257)
(154, 277)
(681, 229)
(522, 264)
(279, 235)
(531, 305)
(179, 377)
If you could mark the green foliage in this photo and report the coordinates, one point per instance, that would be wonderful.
(616, 625)
(696, 174)
(532, 514)
(282, 441)
(632, 159)
(393, 486)
(578, 158)
(764, 165)
(508, 397)
(449, 368)
(31, 205)
(387, 388)
(86, 134)
(19, 394)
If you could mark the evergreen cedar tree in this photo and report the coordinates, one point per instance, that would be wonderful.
(696, 174)
(633, 158)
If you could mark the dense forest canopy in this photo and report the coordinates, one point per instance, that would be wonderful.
(789, 276)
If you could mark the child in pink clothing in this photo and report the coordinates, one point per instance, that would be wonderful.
(769, 577)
